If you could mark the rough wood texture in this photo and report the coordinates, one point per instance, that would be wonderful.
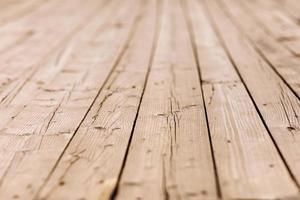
(170, 140)
(240, 141)
(149, 99)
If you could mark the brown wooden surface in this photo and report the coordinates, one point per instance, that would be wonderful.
(149, 99)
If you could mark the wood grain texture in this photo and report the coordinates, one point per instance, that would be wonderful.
(278, 106)
(149, 99)
(248, 164)
(36, 36)
(169, 154)
(15, 9)
(283, 61)
(110, 122)
(276, 22)
(291, 7)
(41, 130)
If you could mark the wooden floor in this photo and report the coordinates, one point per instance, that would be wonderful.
(149, 99)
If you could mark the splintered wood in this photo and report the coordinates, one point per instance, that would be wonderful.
(149, 99)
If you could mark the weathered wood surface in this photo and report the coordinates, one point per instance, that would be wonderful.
(149, 99)
(240, 141)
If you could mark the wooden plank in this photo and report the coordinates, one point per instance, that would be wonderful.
(276, 22)
(292, 7)
(17, 85)
(293, 43)
(92, 162)
(41, 131)
(169, 156)
(139, 99)
(56, 62)
(20, 30)
(51, 67)
(18, 92)
(14, 9)
(277, 105)
(248, 164)
(27, 55)
(282, 60)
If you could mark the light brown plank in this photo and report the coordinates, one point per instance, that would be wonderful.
(34, 37)
(276, 22)
(20, 30)
(169, 156)
(292, 8)
(58, 60)
(282, 60)
(278, 106)
(293, 43)
(12, 10)
(248, 164)
(14, 34)
(91, 165)
(100, 99)
(41, 130)
(19, 86)
(27, 88)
